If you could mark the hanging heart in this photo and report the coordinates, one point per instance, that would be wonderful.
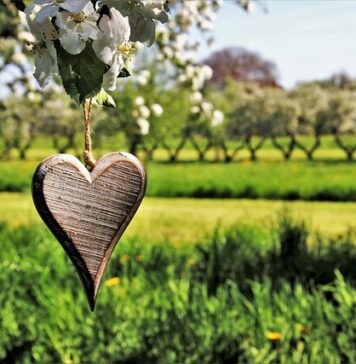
(89, 211)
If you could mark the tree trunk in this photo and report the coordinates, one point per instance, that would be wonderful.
(59, 148)
(286, 152)
(133, 147)
(174, 153)
(173, 157)
(22, 152)
(287, 155)
(230, 157)
(310, 152)
(349, 151)
(71, 141)
(253, 156)
(201, 151)
(5, 154)
(149, 151)
(253, 150)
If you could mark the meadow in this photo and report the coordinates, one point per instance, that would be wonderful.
(188, 220)
(268, 278)
(328, 178)
(248, 295)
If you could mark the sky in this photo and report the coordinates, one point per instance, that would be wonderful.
(307, 39)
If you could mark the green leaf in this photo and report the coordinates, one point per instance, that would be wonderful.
(82, 74)
(103, 98)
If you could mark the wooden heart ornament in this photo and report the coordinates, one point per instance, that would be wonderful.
(89, 211)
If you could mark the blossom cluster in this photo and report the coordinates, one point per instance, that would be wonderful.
(205, 109)
(143, 112)
(179, 47)
(110, 27)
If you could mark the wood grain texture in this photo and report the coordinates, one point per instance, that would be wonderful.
(89, 211)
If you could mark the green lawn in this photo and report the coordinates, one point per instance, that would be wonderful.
(334, 181)
(327, 150)
(190, 220)
(241, 297)
(264, 290)
(319, 180)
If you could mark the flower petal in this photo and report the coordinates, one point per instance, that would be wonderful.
(110, 77)
(76, 6)
(104, 49)
(88, 29)
(117, 27)
(48, 11)
(46, 65)
(72, 42)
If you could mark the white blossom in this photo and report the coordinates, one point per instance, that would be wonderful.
(45, 54)
(157, 110)
(50, 8)
(141, 15)
(144, 126)
(144, 111)
(112, 45)
(196, 97)
(217, 119)
(77, 28)
(139, 100)
(195, 110)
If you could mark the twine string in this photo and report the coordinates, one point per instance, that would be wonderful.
(89, 160)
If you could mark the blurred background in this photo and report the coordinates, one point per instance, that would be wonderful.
(243, 249)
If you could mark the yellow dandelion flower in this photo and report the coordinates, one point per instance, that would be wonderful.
(112, 282)
(273, 336)
(191, 261)
(124, 259)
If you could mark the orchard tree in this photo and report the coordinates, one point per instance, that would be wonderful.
(251, 121)
(241, 65)
(283, 114)
(18, 124)
(59, 117)
(340, 119)
(339, 81)
(7, 133)
(228, 137)
(312, 100)
(175, 129)
(204, 124)
(14, 66)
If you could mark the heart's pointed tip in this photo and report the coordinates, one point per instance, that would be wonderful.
(92, 304)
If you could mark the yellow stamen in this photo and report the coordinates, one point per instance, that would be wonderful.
(126, 48)
(78, 17)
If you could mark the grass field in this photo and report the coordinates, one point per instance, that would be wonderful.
(327, 150)
(262, 288)
(319, 180)
(190, 220)
(242, 297)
